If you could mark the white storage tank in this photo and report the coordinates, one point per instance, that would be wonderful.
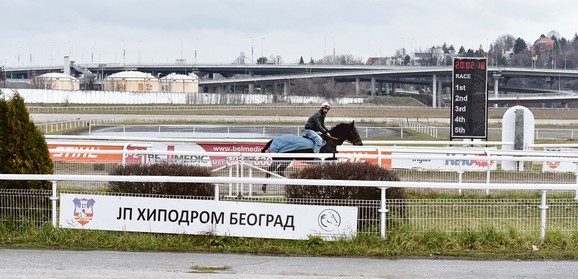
(56, 81)
(178, 83)
(131, 81)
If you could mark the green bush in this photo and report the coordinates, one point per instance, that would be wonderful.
(23, 149)
(163, 169)
(344, 171)
(334, 195)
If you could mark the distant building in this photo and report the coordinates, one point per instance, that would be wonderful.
(543, 51)
(385, 61)
(57, 81)
(544, 44)
(131, 81)
(176, 83)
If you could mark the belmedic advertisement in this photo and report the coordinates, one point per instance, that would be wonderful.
(65, 153)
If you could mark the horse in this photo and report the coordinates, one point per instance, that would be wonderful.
(299, 144)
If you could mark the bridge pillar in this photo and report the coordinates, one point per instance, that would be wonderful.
(286, 88)
(496, 82)
(372, 86)
(441, 92)
(434, 97)
(357, 86)
(251, 85)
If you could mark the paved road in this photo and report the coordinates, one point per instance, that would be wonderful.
(145, 265)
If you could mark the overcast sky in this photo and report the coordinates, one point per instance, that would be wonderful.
(40, 32)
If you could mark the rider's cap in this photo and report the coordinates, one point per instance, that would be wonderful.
(325, 105)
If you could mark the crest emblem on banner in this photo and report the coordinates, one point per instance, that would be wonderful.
(83, 210)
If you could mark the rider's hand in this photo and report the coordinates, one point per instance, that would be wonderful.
(330, 136)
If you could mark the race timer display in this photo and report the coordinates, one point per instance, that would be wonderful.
(469, 109)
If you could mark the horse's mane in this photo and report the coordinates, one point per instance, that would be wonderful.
(340, 130)
(343, 132)
(339, 127)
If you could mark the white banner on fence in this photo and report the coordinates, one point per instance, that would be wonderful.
(557, 166)
(201, 217)
(452, 163)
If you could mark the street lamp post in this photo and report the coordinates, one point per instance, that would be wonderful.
(334, 62)
(262, 46)
(139, 53)
(123, 52)
(196, 41)
(252, 57)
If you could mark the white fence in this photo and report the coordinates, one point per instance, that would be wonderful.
(48, 96)
(217, 181)
(240, 176)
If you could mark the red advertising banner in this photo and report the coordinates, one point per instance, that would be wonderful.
(65, 153)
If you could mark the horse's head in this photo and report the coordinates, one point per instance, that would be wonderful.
(346, 132)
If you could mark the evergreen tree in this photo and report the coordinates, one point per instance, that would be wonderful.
(24, 149)
(3, 137)
(519, 45)
(462, 51)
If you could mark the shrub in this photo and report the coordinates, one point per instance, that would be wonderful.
(163, 169)
(344, 171)
(334, 195)
(23, 149)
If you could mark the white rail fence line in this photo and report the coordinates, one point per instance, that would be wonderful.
(433, 131)
(217, 181)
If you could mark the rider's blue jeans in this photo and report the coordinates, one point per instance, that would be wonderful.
(319, 142)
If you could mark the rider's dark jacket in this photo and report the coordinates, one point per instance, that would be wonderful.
(316, 122)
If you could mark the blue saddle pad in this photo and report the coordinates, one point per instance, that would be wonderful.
(288, 143)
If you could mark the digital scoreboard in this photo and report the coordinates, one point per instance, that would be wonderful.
(469, 111)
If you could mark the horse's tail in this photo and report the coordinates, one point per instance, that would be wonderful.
(266, 146)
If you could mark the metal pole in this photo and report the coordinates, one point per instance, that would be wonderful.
(576, 175)
(382, 212)
(460, 175)
(217, 192)
(543, 207)
(54, 200)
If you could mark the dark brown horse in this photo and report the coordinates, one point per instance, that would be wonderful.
(296, 144)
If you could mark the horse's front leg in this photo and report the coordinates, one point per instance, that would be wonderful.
(272, 168)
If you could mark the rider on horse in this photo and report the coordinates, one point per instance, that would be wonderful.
(315, 127)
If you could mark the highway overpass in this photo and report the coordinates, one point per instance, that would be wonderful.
(238, 78)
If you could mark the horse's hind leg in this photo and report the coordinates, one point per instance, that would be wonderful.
(277, 168)
(274, 165)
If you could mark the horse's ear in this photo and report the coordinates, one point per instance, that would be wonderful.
(353, 123)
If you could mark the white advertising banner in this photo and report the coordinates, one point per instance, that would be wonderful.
(557, 166)
(453, 162)
(201, 217)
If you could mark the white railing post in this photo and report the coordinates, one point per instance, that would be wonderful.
(576, 177)
(543, 208)
(216, 196)
(382, 211)
(460, 175)
(54, 201)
